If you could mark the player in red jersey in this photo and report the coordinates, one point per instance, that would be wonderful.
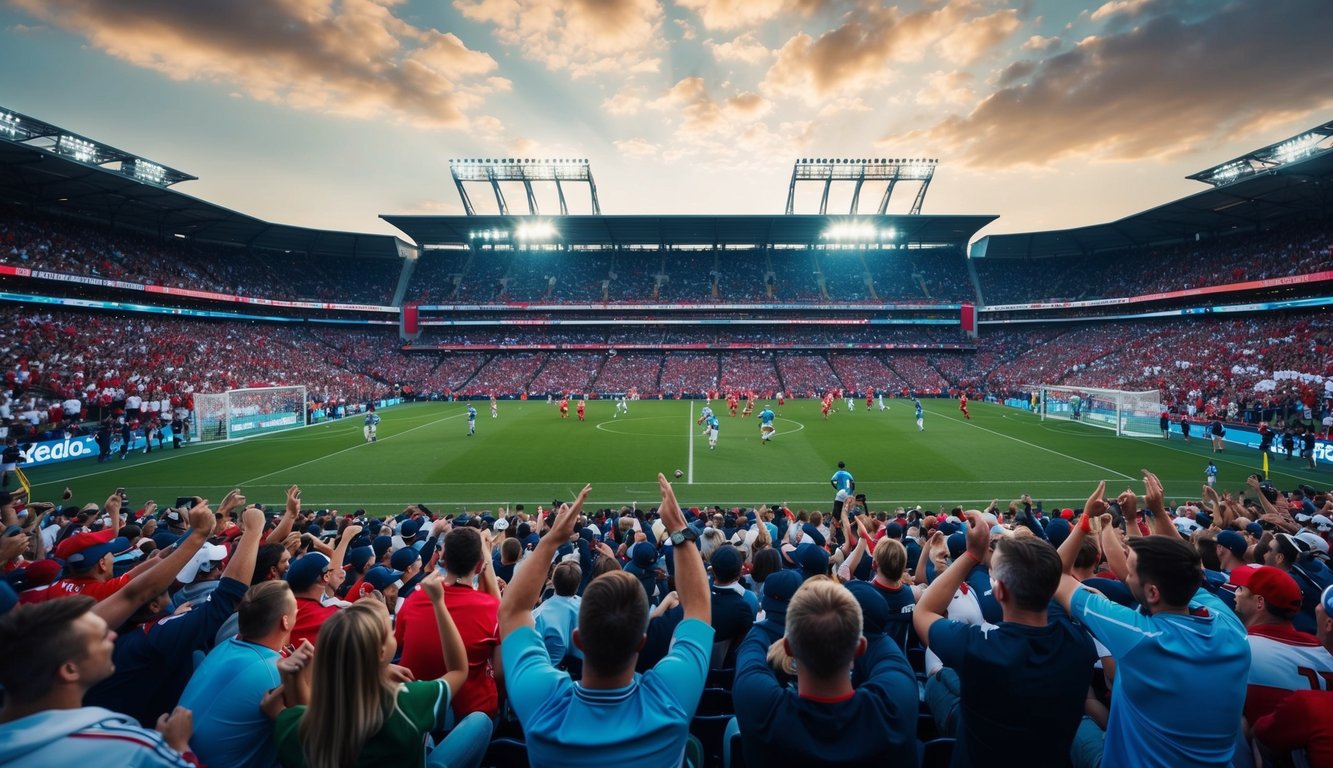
(870, 398)
(581, 410)
(826, 405)
(962, 406)
(564, 408)
(733, 402)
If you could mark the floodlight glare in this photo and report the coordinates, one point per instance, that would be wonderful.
(537, 231)
(83, 151)
(150, 172)
(9, 124)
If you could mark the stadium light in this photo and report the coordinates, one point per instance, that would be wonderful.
(9, 124)
(1295, 149)
(537, 231)
(149, 172)
(83, 151)
(857, 232)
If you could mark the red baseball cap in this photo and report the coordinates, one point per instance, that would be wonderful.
(83, 550)
(1274, 585)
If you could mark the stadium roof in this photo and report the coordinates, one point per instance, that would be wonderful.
(1299, 189)
(37, 177)
(694, 230)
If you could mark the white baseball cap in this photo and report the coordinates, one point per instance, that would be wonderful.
(501, 525)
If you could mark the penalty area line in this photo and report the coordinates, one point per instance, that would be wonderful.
(689, 462)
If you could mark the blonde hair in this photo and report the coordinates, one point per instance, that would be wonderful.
(349, 692)
(823, 627)
(890, 558)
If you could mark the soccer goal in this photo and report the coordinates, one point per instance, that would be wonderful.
(1134, 414)
(247, 412)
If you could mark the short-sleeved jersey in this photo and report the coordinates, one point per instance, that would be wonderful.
(372, 419)
(419, 708)
(842, 480)
(471, 413)
(712, 422)
(766, 417)
(918, 408)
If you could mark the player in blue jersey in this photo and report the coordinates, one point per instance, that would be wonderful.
(766, 428)
(920, 416)
(372, 424)
(842, 482)
(705, 415)
(710, 431)
(471, 420)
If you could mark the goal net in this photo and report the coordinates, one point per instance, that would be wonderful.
(248, 412)
(1134, 414)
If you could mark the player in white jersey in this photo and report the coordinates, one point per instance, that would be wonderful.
(882, 406)
(622, 406)
(851, 401)
(372, 424)
(471, 420)
(495, 408)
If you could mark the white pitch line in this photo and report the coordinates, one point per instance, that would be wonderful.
(1038, 447)
(345, 450)
(689, 474)
(651, 483)
(66, 480)
(1303, 474)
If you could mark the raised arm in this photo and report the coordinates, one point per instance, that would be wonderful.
(691, 578)
(289, 515)
(241, 567)
(1092, 509)
(524, 591)
(934, 603)
(157, 577)
(1155, 501)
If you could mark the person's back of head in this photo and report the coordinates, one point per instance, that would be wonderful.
(613, 620)
(510, 551)
(38, 641)
(349, 692)
(890, 559)
(823, 628)
(766, 561)
(462, 551)
(1165, 572)
(1087, 555)
(1027, 571)
(268, 563)
(268, 608)
(566, 579)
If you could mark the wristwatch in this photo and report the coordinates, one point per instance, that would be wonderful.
(683, 535)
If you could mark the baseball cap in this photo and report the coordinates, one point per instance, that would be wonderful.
(811, 530)
(644, 554)
(1254, 529)
(501, 525)
(380, 545)
(39, 574)
(812, 560)
(957, 543)
(1314, 541)
(202, 561)
(1323, 522)
(1057, 530)
(359, 557)
(1272, 584)
(404, 558)
(306, 570)
(82, 550)
(382, 578)
(1233, 542)
(1327, 600)
(726, 562)
(409, 528)
(778, 589)
(874, 609)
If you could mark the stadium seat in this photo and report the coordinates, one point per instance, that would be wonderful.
(735, 753)
(506, 753)
(710, 730)
(937, 753)
(926, 730)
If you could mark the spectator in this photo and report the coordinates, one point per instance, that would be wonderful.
(308, 576)
(1304, 720)
(558, 617)
(733, 607)
(574, 724)
(474, 611)
(360, 713)
(50, 655)
(1171, 660)
(226, 692)
(791, 726)
(1031, 661)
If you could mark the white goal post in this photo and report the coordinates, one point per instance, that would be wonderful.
(240, 413)
(1135, 414)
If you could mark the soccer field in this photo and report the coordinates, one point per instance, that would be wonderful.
(529, 456)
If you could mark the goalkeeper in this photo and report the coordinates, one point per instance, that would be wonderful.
(372, 424)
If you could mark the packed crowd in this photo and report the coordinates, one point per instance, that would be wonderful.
(1292, 250)
(1123, 633)
(71, 248)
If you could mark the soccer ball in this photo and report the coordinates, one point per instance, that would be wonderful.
(679, 473)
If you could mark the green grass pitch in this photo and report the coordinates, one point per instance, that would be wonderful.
(529, 455)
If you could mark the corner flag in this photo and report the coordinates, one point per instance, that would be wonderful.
(1265, 465)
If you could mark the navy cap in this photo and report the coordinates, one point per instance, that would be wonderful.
(812, 531)
(1204, 520)
(305, 571)
(812, 559)
(778, 589)
(957, 543)
(409, 528)
(1232, 541)
(381, 544)
(404, 558)
(382, 578)
(947, 528)
(1058, 530)
(726, 562)
(359, 557)
(874, 609)
(893, 531)
(1254, 529)
(644, 554)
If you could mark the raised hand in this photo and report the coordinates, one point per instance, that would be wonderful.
(201, 518)
(669, 511)
(1096, 503)
(978, 534)
(294, 500)
(1153, 497)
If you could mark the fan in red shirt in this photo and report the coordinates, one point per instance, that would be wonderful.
(308, 576)
(1283, 659)
(1304, 719)
(475, 612)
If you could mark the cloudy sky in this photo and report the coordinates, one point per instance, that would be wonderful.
(327, 113)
